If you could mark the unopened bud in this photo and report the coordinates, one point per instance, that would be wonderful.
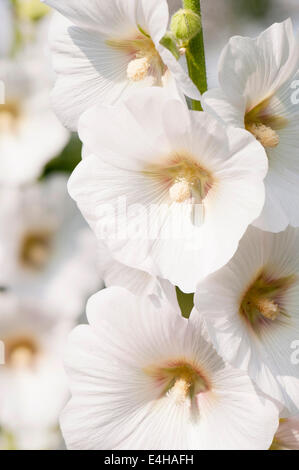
(185, 24)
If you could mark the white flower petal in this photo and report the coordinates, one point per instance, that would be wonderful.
(216, 102)
(184, 83)
(266, 63)
(95, 15)
(87, 69)
(138, 282)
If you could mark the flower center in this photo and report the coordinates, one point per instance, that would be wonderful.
(187, 180)
(263, 124)
(185, 383)
(35, 249)
(181, 381)
(10, 113)
(20, 352)
(145, 60)
(263, 300)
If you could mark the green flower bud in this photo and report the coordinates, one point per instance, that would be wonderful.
(185, 24)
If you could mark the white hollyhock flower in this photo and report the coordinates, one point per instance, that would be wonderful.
(33, 385)
(45, 246)
(258, 79)
(190, 187)
(104, 50)
(251, 308)
(145, 378)
(287, 435)
(30, 133)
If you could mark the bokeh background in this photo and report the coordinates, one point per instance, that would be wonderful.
(48, 256)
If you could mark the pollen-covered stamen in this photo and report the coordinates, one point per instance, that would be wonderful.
(181, 389)
(264, 124)
(267, 136)
(138, 69)
(146, 62)
(188, 180)
(180, 191)
(268, 308)
(144, 59)
(185, 383)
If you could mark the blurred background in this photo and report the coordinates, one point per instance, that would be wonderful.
(48, 262)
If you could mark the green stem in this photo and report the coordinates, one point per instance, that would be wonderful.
(195, 55)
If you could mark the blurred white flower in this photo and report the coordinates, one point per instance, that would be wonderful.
(190, 187)
(6, 28)
(46, 249)
(146, 378)
(30, 133)
(251, 309)
(103, 51)
(259, 91)
(287, 435)
(33, 385)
